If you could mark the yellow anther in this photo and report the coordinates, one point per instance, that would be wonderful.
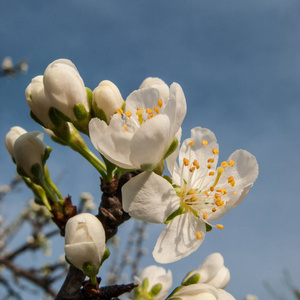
(156, 109)
(126, 128)
(207, 193)
(208, 166)
(128, 113)
(196, 163)
(215, 151)
(185, 161)
(220, 170)
(224, 164)
(205, 215)
(160, 103)
(223, 191)
(231, 163)
(149, 111)
(230, 178)
(217, 196)
(191, 143)
(211, 188)
(198, 235)
(192, 169)
(213, 209)
(211, 173)
(232, 183)
(193, 198)
(139, 111)
(120, 111)
(210, 160)
(234, 193)
(219, 226)
(151, 116)
(204, 143)
(219, 202)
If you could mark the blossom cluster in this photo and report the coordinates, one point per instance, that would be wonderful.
(140, 133)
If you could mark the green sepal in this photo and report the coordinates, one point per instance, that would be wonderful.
(80, 112)
(172, 148)
(38, 201)
(89, 94)
(46, 155)
(174, 298)
(100, 114)
(168, 178)
(159, 169)
(181, 210)
(208, 227)
(21, 172)
(148, 167)
(192, 280)
(145, 285)
(155, 289)
(37, 171)
(105, 256)
(58, 140)
(57, 117)
(89, 269)
(173, 292)
(35, 118)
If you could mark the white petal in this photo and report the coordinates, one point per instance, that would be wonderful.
(148, 145)
(197, 291)
(221, 279)
(149, 197)
(108, 140)
(223, 295)
(157, 83)
(179, 238)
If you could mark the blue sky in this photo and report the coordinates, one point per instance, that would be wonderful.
(239, 65)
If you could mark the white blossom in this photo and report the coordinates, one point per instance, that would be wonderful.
(11, 137)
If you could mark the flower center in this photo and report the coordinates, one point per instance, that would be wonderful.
(142, 115)
(201, 192)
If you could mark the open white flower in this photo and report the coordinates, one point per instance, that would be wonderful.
(200, 194)
(140, 136)
(200, 291)
(157, 83)
(153, 282)
(85, 243)
(212, 271)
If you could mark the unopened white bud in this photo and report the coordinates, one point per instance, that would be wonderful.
(85, 243)
(107, 99)
(10, 138)
(66, 90)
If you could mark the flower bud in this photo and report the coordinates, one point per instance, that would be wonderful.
(154, 283)
(37, 102)
(31, 153)
(65, 90)
(157, 83)
(11, 137)
(85, 243)
(212, 271)
(107, 99)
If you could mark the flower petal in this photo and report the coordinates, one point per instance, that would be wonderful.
(223, 295)
(107, 140)
(197, 291)
(149, 197)
(179, 238)
(148, 145)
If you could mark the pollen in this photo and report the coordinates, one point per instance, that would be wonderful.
(211, 173)
(207, 193)
(231, 163)
(215, 151)
(192, 169)
(196, 163)
(210, 160)
(149, 111)
(186, 162)
(211, 188)
(160, 103)
(128, 113)
(198, 235)
(126, 128)
(205, 215)
(219, 226)
(208, 166)
(231, 180)
(213, 209)
(156, 109)
(120, 111)
(224, 164)
(191, 143)
(204, 143)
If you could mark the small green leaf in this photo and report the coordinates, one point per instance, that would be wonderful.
(181, 210)
(172, 148)
(156, 289)
(80, 112)
(192, 280)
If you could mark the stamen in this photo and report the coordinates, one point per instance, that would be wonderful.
(156, 109)
(128, 113)
(210, 160)
(120, 111)
(192, 169)
(149, 111)
(231, 163)
(208, 166)
(219, 226)
(191, 143)
(205, 215)
(215, 151)
(160, 103)
(224, 164)
(211, 188)
(211, 173)
(186, 162)
(204, 143)
(206, 193)
(213, 209)
(196, 163)
(198, 235)
(220, 171)
(140, 112)
(126, 128)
